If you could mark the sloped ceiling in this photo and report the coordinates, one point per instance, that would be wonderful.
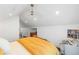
(46, 15)
(13, 9)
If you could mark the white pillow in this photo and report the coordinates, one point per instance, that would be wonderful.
(5, 45)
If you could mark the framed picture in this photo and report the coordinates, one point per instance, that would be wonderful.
(73, 33)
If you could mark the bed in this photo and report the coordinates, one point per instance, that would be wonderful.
(29, 46)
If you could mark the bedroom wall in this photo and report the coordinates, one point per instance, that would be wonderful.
(9, 28)
(55, 34)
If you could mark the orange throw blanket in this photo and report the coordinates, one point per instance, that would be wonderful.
(38, 46)
(1, 52)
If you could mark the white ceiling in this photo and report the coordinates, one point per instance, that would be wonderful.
(14, 9)
(46, 15)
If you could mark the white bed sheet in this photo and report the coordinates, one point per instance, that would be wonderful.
(18, 49)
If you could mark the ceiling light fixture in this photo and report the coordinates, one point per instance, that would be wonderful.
(57, 12)
(10, 14)
(33, 13)
(35, 19)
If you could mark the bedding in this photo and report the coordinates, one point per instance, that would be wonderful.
(28, 46)
(4, 46)
(18, 49)
(38, 46)
(1, 52)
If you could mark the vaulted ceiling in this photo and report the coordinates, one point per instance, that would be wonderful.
(44, 14)
(10, 10)
(51, 14)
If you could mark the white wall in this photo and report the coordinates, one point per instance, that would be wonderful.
(55, 34)
(9, 28)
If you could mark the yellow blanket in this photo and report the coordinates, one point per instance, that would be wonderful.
(38, 46)
(1, 52)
